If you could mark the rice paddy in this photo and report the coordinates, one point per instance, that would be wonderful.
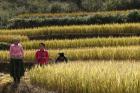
(89, 77)
(101, 58)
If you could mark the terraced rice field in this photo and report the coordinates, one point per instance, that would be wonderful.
(131, 29)
(102, 58)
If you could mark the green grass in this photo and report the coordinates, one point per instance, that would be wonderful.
(74, 14)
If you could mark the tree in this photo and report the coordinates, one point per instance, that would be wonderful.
(135, 4)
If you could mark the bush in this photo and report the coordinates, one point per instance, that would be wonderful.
(4, 46)
(92, 5)
(58, 7)
(134, 16)
(75, 19)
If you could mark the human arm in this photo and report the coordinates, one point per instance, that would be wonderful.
(11, 51)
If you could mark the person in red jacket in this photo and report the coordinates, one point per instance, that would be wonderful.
(42, 55)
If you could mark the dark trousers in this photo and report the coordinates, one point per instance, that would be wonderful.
(16, 69)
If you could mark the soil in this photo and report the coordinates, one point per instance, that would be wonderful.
(6, 86)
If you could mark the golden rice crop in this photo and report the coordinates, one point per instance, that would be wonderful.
(89, 77)
(105, 53)
(79, 31)
(80, 43)
(9, 38)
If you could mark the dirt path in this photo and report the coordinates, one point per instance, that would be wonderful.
(24, 87)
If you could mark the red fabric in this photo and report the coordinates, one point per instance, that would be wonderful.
(42, 57)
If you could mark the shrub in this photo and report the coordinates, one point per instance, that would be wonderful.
(4, 46)
(134, 16)
(75, 19)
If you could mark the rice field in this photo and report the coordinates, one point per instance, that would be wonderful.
(9, 38)
(131, 29)
(105, 53)
(74, 43)
(89, 77)
(82, 43)
(102, 58)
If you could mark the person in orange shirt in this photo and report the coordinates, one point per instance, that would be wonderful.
(42, 56)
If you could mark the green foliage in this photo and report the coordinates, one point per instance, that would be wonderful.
(58, 7)
(73, 19)
(4, 46)
(15, 7)
(134, 16)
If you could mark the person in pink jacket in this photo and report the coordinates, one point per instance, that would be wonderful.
(16, 61)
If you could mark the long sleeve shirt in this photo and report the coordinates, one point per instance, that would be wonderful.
(42, 57)
(16, 51)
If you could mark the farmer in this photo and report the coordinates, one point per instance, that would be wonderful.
(42, 55)
(61, 58)
(16, 61)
